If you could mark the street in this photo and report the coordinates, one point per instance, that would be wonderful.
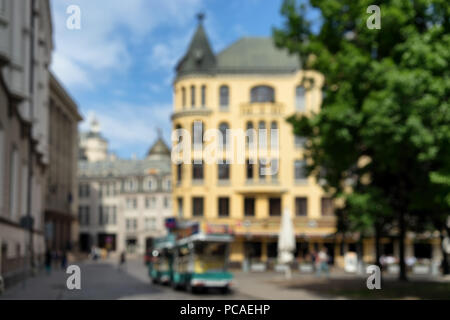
(103, 280)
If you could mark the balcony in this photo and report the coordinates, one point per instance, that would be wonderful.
(191, 112)
(265, 108)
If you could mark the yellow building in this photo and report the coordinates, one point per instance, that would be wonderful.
(250, 84)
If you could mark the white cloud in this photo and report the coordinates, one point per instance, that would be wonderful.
(99, 48)
(128, 125)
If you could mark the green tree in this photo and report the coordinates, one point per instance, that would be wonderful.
(384, 126)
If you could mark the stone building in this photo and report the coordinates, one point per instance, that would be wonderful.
(25, 52)
(122, 202)
(61, 207)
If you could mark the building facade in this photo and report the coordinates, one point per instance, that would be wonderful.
(61, 226)
(25, 53)
(253, 87)
(250, 85)
(123, 203)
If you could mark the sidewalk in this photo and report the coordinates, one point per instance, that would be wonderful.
(270, 286)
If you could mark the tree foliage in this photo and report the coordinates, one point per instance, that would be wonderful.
(384, 125)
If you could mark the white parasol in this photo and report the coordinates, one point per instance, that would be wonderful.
(286, 241)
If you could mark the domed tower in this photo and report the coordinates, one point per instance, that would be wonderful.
(159, 149)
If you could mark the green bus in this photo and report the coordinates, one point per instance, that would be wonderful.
(160, 266)
(200, 262)
(193, 256)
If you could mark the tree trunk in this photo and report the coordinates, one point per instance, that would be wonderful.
(377, 245)
(445, 266)
(401, 242)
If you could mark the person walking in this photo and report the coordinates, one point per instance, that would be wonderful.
(48, 261)
(322, 262)
(64, 260)
(122, 261)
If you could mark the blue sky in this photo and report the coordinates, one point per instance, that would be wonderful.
(120, 64)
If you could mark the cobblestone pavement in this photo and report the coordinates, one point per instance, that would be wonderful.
(103, 280)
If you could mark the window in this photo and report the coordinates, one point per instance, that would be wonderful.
(13, 183)
(131, 203)
(180, 207)
(197, 207)
(249, 207)
(299, 170)
(262, 94)
(197, 134)
(274, 134)
(183, 97)
(131, 224)
(100, 215)
(250, 138)
(301, 207)
(179, 133)
(274, 168)
(167, 184)
(249, 169)
(150, 203)
(299, 141)
(130, 185)
(224, 207)
(84, 190)
(203, 96)
(150, 184)
(262, 135)
(275, 207)
(2, 169)
(193, 96)
(150, 223)
(24, 188)
(197, 171)
(179, 172)
(262, 169)
(166, 202)
(223, 171)
(300, 104)
(224, 93)
(223, 128)
(113, 219)
(327, 207)
(84, 215)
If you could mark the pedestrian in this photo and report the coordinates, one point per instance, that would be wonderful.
(48, 261)
(64, 260)
(122, 261)
(322, 262)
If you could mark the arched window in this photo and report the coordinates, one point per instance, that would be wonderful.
(262, 94)
(150, 183)
(130, 185)
(262, 135)
(274, 136)
(224, 93)
(193, 96)
(180, 138)
(250, 134)
(203, 96)
(183, 97)
(197, 133)
(223, 127)
(300, 102)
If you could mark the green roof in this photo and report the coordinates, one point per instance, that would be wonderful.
(256, 55)
(199, 58)
(247, 55)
